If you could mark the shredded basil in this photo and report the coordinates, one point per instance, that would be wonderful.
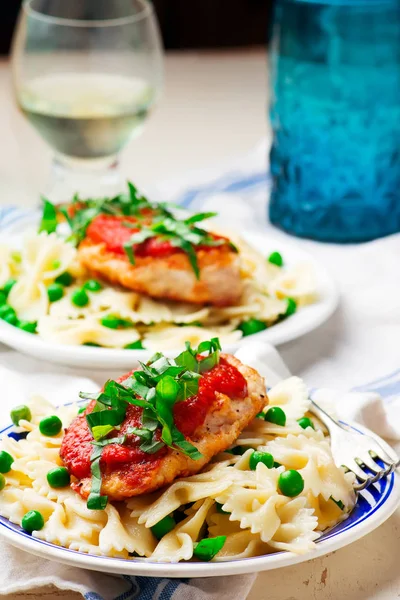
(156, 388)
(49, 217)
(339, 503)
(181, 233)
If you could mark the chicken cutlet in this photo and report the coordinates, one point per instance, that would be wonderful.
(229, 396)
(161, 268)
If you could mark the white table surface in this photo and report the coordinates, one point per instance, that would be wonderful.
(213, 110)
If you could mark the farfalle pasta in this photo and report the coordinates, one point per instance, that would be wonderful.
(232, 499)
(43, 258)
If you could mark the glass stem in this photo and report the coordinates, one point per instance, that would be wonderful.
(86, 178)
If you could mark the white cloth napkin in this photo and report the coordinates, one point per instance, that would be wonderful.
(61, 387)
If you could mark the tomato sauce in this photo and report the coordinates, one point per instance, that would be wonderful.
(114, 233)
(76, 448)
(223, 378)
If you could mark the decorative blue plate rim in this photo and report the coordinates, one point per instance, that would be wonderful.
(374, 506)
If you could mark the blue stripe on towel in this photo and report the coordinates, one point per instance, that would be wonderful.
(170, 589)
(372, 386)
(231, 183)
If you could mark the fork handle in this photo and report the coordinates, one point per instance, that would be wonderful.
(323, 416)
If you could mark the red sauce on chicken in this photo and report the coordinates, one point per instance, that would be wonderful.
(76, 448)
(114, 233)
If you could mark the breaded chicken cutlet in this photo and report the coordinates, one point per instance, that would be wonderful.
(228, 397)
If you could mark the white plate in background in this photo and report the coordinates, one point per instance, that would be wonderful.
(302, 322)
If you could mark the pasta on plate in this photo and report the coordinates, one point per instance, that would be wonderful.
(49, 292)
(234, 500)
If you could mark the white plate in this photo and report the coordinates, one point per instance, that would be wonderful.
(374, 506)
(302, 322)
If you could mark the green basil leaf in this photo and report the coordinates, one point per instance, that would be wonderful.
(188, 248)
(200, 217)
(189, 385)
(209, 346)
(117, 440)
(188, 360)
(184, 446)
(144, 434)
(151, 447)
(49, 217)
(209, 362)
(88, 396)
(101, 431)
(129, 252)
(138, 388)
(112, 417)
(96, 501)
(149, 421)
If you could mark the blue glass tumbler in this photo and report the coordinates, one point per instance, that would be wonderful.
(335, 115)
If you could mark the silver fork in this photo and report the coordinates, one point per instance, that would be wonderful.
(352, 450)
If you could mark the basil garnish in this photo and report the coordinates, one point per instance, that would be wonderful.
(157, 387)
(49, 217)
(182, 234)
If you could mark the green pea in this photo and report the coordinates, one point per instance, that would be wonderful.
(7, 287)
(291, 483)
(28, 326)
(8, 314)
(111, 321)
(32, 521)
(163, 527)
(92, 285)
(263, 457)
(167, 389)
(135, 346)
(55, 292)
(19, 413)
(260, 415)
(80, 298)
(56, 264)
(276, 415)
(3, 298)
(252, 326)
(50, 426)
(5, 309)
(305, 422)
(65, 279)
(291, 307)
(58, 477)
(277, 465)
(2, 482)
(208, 548)
(276, 259)
(11, 318)
(6, 460)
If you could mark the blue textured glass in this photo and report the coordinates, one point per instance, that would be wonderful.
(335, 114)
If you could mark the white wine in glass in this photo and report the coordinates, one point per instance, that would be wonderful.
(86, 75)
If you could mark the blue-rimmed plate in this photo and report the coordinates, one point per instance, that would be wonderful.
(14, 223)
(374, 506)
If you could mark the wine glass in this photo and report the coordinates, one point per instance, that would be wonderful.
(86, 74)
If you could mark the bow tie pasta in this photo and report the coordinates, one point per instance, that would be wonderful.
(236, 504)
